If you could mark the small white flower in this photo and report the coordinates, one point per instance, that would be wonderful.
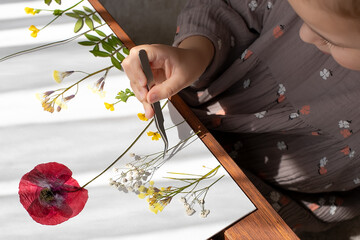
(190, 211)
(129, 165)
(246, 83)
(352, 154)
(204, 213)
(182, 199)
(253, 5)
(130, 188)
(132, 154)
(115, 170)
(325, 74)
(275, 196)
(332, 209)
(201, 201)
(281, 90)
(344, 124)
(124, 180)
(323, 162)
(281, 145)
(260, 114)
(356, 180)
(187, 206)
(293, 115)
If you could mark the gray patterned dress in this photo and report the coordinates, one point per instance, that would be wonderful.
(285, 111)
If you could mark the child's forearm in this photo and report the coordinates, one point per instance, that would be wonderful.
(202, 46)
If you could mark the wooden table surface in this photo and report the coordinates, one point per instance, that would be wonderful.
(264, 222)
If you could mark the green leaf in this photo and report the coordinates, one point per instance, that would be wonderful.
(96, 19)
(120, 56)
(100, 53)
(89, 23)
(87, 43)
(116, 63)
(78, 25)
(73, 15)
(116, 40)
(58, 2)
(47, 2)
(96, 48)
(100, 33)
(79, 12)
(87, 9)
(126, 51)
(107, 47)
(92, 37)
(124, 95)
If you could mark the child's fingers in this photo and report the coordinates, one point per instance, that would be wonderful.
(166, 89)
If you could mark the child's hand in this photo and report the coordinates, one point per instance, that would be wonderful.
(173, 69)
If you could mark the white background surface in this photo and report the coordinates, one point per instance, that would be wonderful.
(87, 138)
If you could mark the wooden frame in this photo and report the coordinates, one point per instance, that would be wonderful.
(263, 223)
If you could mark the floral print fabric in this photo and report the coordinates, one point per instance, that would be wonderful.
(284, 110)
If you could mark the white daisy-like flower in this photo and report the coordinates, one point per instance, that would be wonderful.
(293, 115)
(332, 209)
(356, 181)
(325, 74)
(246, 83)
(260, 114)
(281, 90)
(281, 145)
(344, 124)
(323, 161)
(253, 5)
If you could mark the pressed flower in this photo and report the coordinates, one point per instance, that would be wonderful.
(142, 117)
(155, 135)
(59, 76)
(31, 11)
(109, 106)
(34, 30)
(50, 195)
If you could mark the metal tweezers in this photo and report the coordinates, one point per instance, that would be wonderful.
(159, 118)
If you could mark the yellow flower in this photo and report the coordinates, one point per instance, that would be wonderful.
(30, 11)
(142, 117)
(142, 195)
(155, 135)
(34, 31)
(59, 76)
(109, 106)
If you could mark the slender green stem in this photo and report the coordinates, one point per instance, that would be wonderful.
(116, 160)
(45, 46)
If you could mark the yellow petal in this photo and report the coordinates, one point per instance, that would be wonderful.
(142, 117)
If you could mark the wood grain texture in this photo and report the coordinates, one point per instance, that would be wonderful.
(263, 223)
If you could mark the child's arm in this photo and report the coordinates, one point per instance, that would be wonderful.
(173, 68)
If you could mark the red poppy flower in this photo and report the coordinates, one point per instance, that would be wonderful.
(50, 195)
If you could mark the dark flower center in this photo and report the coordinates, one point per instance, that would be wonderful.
(46, 195)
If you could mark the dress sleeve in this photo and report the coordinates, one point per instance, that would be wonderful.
(231, 25)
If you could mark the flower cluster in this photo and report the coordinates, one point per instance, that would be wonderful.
(50, 98)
